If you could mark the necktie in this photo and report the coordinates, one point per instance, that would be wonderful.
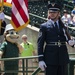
(56, 25)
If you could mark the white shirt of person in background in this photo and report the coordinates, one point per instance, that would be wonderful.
(66, 17)
(72, 22)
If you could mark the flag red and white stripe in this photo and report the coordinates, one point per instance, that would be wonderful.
(20, 16)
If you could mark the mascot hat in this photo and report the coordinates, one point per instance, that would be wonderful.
(8, 27)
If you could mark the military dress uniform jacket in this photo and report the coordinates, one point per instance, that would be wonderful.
(52, 54)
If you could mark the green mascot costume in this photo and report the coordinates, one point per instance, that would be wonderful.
(10, 49)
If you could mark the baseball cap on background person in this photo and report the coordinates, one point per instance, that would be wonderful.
(54, 7)
(73, 13)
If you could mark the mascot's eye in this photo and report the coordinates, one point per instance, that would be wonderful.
(11, 32)
(16, 32)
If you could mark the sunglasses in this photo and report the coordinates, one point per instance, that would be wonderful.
(24, 38)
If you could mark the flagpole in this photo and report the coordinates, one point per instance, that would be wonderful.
(2, 6)
(2, 3)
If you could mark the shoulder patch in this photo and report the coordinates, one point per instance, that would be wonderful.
(40, 34)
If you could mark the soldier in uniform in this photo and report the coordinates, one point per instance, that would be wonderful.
(52, 50)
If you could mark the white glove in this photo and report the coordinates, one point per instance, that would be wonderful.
(71, 42)
(42, 65)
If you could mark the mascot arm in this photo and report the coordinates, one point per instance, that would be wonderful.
(1, 53)
(20, 48)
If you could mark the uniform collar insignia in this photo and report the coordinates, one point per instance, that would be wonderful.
(50, 23)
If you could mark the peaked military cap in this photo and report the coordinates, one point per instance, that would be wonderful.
(54, 7)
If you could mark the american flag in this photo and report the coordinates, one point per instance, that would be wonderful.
(20, 16)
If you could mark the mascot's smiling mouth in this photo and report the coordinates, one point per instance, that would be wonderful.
(13, 37)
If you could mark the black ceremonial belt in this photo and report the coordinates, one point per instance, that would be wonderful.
(56, 43)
